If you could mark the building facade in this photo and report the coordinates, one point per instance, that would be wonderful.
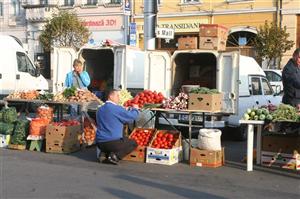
(12, 19)
(241, 17)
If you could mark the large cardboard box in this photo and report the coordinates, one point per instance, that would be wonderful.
(205, 102)
(280, 144)
(139, 154)
(213, 30)
(165, 156)
(281, 160)
(212, 43)
(62, 139)
(187, 43)
(207, 158)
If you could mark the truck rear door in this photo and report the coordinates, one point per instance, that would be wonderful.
(61, 63)
(228, 80)
(158, 72)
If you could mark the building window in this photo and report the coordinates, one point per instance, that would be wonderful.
(16, 6)
(115, 1)
(91, 2)
(44, 2)
(237, 1)
(191, 1)
(69, 3)
(1, 8)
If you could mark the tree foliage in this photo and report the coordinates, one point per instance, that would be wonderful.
(64, 30)
(271, 42)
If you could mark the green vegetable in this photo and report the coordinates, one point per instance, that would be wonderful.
(46, 96)
(249, 110)
(68, 92)
(262, 117)
(6, 128)
(259, 112)
(20, 133)
(246, 116)
(204, 90)
(252, 113)
(269, 117)
(285, 112)
(9, 115)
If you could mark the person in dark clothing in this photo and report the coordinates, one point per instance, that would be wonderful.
(110, 120)
(291, 80)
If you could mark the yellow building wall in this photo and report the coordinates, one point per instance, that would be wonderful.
(171, 6)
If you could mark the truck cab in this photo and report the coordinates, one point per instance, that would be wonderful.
(17, 71)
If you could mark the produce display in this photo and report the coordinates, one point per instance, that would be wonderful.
(178, 103)
(20, 133)
(83, 96)
(204, 90)
(145, 97)
(142, 136)
(89, 132)
(28, 95)
(164, 140)
(38, 126)
(258, 114)
(46, 96)
(6, 128)
(125, 95)
(45, 112)
(285, 112)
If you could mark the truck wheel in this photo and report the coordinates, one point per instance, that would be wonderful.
(240, 133)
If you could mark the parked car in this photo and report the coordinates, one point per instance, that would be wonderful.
(275, 78)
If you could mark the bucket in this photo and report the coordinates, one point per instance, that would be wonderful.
(185, 146)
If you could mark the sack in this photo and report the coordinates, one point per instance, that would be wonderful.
(38, 126)
(209, 139)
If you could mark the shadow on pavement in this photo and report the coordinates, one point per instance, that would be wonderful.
(276, 171)
(180, 191)
(121, 193)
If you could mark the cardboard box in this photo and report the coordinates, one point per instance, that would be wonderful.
(62, 139)
(165, 156)
(212, 43)
(281, 160)
(205, 102)
(4, 140)
(213, 30)
(280, 144)
(139, 154)
(187, 43)
(207, 158)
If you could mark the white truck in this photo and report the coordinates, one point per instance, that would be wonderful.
(239, 78)
(17, 71)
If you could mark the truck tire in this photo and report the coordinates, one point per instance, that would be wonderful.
(240, 133)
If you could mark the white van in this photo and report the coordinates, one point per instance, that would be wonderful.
(239, 78)
(17, 72)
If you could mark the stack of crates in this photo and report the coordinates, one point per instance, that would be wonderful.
(213, 37)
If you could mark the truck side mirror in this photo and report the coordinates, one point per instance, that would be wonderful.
(37, 71)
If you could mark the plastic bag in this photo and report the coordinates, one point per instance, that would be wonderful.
(209, 139)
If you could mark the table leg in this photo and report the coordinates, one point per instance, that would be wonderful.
(258, 144)
(190, 135)
(250, 138)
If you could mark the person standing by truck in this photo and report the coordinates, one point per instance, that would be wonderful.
(291, 80)
(110, 120)
(78, 79)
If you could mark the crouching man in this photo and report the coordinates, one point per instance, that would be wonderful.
(110, 120)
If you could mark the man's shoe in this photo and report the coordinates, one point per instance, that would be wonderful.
(112, 159)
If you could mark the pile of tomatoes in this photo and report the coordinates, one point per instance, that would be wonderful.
(142, 136)
(66, 123)
(146, 97)
(164, 140)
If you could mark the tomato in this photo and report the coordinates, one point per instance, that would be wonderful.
(159, 135)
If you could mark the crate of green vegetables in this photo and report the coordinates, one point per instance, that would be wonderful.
(205, 99)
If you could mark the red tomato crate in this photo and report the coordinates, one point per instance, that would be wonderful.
(139, 154)
(167, 155)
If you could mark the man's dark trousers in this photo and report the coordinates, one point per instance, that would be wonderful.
(120, 147)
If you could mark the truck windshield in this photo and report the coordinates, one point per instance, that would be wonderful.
(24, 64)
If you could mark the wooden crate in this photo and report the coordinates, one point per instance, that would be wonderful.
(213, 30)
(17, 147)
(187, 43)
(205, 102)
(212, 43)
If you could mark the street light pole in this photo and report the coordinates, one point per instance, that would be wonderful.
(150, 12)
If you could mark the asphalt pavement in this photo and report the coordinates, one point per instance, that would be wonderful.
(26, 174)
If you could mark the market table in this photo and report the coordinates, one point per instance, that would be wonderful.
(158, 112)
(250, 139)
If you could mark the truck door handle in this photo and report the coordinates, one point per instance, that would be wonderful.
(269, 101)
(18, 76)
(257, 102)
